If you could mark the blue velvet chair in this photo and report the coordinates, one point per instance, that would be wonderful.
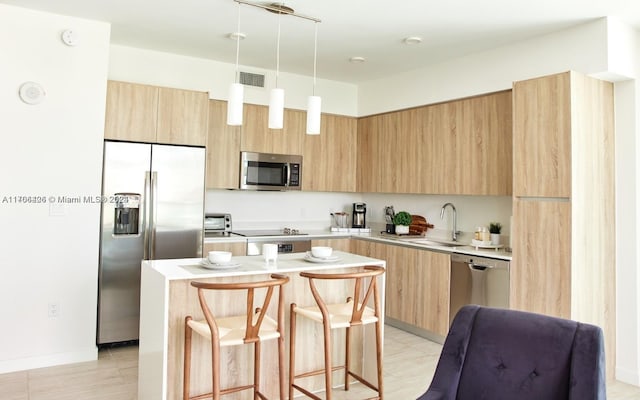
(497, 354)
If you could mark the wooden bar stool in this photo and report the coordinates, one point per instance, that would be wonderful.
(253, 327)
(351, 313)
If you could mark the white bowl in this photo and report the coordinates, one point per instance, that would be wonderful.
(218, 257)
(321, 251)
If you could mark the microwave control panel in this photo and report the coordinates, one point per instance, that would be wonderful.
(294, 177)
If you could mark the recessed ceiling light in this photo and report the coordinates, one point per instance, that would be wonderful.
(357, 60)
(237, 36)
(412, 40)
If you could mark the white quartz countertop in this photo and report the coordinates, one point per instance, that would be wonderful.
(463, 248)
(190, 268)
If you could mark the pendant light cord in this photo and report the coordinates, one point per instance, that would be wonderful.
(315, 57)
(278, 51)
(238, 48)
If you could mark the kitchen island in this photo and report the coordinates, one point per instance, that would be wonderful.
(167, 297)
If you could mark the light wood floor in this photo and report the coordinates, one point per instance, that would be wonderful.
(409, 365)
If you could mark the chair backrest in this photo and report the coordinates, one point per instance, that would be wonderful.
(500, 354)
(255, 315)
(360, 297)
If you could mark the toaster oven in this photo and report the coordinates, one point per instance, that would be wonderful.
(217, 223)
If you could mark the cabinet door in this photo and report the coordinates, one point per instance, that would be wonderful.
(257, 137)
(418, 288)
(236, 248)
(223, 149)
(182, 117)
(131, 112)
(384, 149)
(330, 158)
(483, 147)
(542, 137)
(368, 170)
(541, 263)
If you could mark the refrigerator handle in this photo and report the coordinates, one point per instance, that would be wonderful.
(153, 220)
(145, 214)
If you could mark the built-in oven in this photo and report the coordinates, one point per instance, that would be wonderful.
(478, 280)
(266, 171)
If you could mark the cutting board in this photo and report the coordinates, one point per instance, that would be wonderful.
(419, 225)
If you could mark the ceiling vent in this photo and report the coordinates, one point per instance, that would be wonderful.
(249, 79)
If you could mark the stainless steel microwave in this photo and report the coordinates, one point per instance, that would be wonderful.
(265, 171)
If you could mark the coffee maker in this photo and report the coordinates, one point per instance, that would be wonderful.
(359, 215)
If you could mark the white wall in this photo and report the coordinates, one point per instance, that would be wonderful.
(50, 149)
(582, 48)
(277, 210)
(163, 69)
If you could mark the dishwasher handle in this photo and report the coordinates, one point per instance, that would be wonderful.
(478, 267)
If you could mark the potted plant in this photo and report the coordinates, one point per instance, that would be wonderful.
(402, 220)
(494, 229)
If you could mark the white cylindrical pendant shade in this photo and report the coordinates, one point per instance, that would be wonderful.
(313, 115)
(276, 109)
(235, 103)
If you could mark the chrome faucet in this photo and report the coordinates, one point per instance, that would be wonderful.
(454, 232)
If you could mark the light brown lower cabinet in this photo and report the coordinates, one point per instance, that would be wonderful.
(417, 284)
(236, 248)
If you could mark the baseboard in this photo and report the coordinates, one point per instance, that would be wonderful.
(434, 337)
(21, 364)
(630, 376)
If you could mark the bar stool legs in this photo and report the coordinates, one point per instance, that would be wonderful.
(254, 327)
(354, 312)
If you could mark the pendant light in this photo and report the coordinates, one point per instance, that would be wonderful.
(314, 102)
(276, 99)
(236, 89)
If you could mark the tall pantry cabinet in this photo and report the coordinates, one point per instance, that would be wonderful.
(563, 201)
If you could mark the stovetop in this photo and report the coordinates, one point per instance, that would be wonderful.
(269, 232)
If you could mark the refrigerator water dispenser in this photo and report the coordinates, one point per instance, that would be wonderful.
(126, 214)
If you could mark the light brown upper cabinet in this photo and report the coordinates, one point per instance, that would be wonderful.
(144, 113)
(564, 206)
(457, 147)
(223, 149)
(182, 116)
(257, 137)
(131, 112)
(329, 159)
(542, 137)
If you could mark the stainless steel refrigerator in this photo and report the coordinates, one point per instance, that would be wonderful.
(152, 208)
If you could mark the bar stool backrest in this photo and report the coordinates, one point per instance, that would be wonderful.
(360, 297)
(255, 315)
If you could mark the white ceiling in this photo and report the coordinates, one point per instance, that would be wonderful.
(372, 29)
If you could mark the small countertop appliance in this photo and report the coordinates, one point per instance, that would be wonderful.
(359, 215)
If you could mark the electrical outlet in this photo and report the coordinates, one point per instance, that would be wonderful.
(54, 310)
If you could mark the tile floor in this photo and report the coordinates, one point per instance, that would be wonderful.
(409, 365)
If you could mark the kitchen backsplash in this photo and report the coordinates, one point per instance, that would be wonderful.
(311, 210)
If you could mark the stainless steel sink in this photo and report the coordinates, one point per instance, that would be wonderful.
(431, 242)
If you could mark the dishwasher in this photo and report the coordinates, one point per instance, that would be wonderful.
(478, 280)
